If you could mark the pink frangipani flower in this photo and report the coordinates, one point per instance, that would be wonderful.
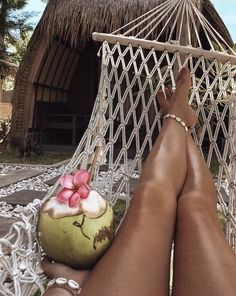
(75, 187)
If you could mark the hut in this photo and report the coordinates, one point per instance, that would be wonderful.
(57, 81)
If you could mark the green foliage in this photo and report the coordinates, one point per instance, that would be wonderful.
(13, 19)
(5, 67)
(165, 73)
(18, 46)
(119, 211)
(4, 131)
(223, 220)
(14, 29)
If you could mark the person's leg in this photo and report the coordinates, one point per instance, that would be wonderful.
(204, 264)
(137, 262)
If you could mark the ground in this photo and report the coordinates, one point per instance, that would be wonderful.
(46, 158)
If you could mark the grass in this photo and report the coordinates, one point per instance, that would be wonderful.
(119, 211)
(223, 220)
(44, 159)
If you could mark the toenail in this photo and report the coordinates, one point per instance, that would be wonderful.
(184, 72)
(160, 92)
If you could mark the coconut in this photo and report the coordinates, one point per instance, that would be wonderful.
(76, 236)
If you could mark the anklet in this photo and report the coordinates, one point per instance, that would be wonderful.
(173, 116)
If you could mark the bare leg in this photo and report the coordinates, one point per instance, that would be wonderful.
(204, 263)
(137, 263)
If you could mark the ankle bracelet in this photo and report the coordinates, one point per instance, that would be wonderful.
(70, 286)
(179, 120)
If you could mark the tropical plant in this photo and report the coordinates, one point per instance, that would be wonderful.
(11, 21)
(6, 67)
(13, 25)
(19, 46)
(4, 132)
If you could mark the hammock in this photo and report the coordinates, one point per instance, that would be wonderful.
(126, 120)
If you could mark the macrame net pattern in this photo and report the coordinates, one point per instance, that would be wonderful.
(126, 120)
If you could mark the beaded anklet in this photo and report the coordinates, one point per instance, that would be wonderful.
(179, 120)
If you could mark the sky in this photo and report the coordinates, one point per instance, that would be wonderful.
(227, 11)
(37, 6)
(225, 8)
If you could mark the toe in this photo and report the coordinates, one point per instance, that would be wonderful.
(183, 83)
(162, 101)
(169, 93)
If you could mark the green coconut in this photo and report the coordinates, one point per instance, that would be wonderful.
(76, 236)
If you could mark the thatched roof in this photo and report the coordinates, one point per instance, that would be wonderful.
(75, 20)
(214, 18)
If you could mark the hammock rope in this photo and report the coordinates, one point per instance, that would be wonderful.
(126, 120)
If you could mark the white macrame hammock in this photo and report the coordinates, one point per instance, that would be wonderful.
(126, 120)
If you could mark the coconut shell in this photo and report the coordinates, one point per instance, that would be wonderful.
(78, 241)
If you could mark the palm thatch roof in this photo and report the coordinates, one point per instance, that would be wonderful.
(75, 20)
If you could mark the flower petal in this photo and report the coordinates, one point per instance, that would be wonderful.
(82, 176)
(64, 195)
(84, 190)
(74, 200)
(67, 181)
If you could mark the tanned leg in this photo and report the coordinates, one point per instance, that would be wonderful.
(204, 263)
(137, 263)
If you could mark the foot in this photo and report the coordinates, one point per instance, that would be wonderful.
(177, 102)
